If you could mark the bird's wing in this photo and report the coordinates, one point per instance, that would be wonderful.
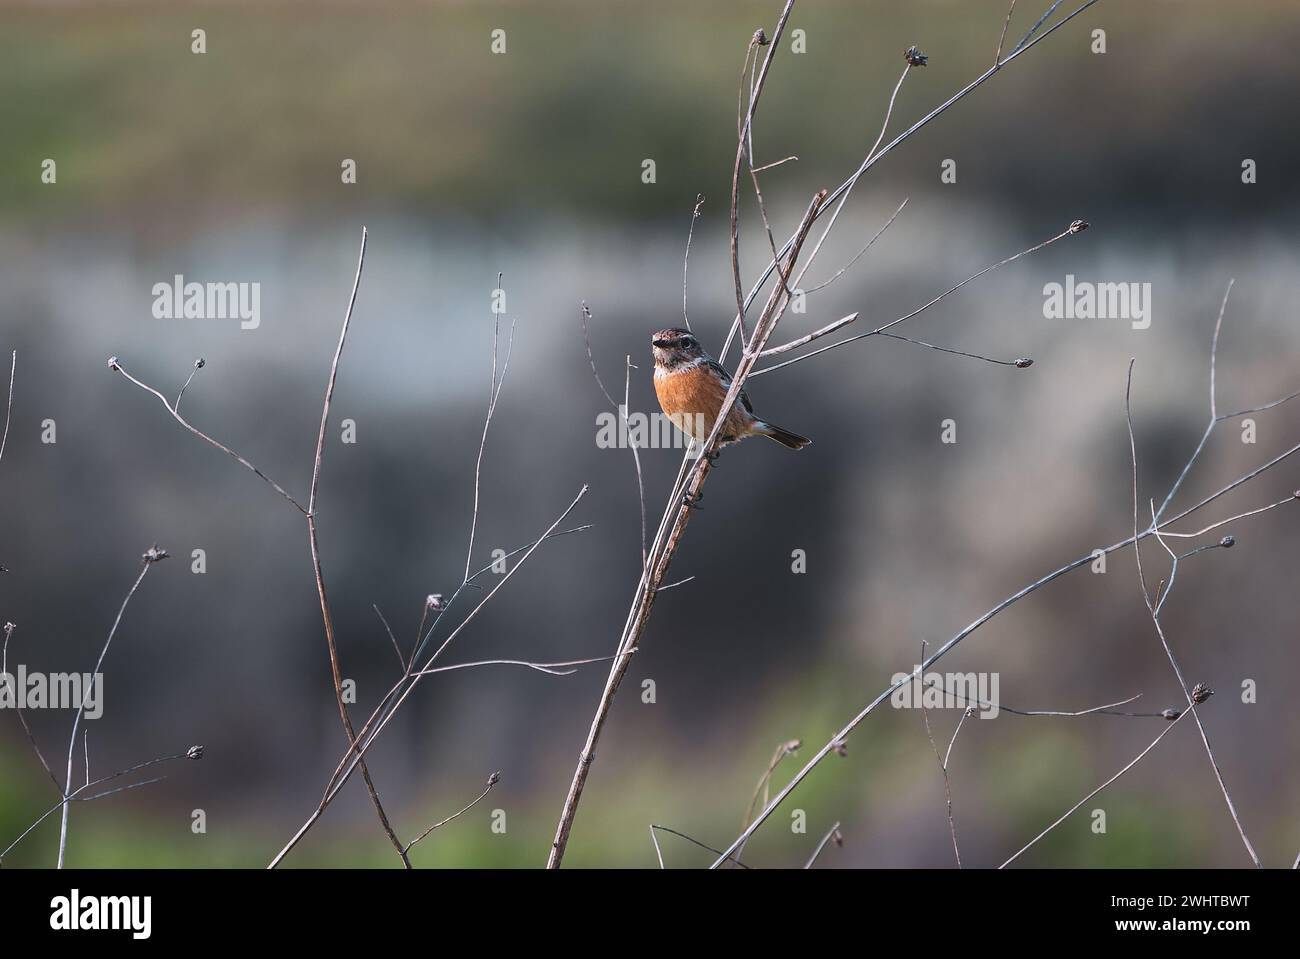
(726, 382)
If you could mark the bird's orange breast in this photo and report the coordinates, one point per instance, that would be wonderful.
(691, 398)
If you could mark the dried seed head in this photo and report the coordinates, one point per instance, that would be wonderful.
(837, 837)
(792, 746)
(1171, 714)
(494, 779)
(194, 752)
(9, 628)
(155, 554)
(200, 363)
(840, 747)
(112, 364)
(760, 38)
(433, 601)
(1078, 226)
(1227, 542)
(1201, 692)
(1024, 362)
(914, 57)
(1296, 494)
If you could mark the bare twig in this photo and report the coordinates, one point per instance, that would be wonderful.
(336, 671)
(682, 835)
(997, 56)
(554, 669)
(153, 555)
(22, 717)
(9, 406)
(878, 154)
(494, 392)
(385, 712)
(831, 834)
(803, 340)
(1078, 226)
(401, 660)
(492, 781)
(860, 254)
(1131, 763)
(116, 365)
(75, 795)
(1152, 609)
(686, 261)
(842, 735)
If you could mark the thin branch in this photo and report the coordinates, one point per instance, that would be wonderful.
(198, 365)
(555, 669)
(355, 755)
(494, 393)
(1131, 763)
(622, 412)
(1232, 519)
(67, 790)
(492, 781)
(804, 340)
(115, 365)
(878, 155)
(832, 833)
(1155, 616)
(756, 92)
(1034, 29)
(686, 261)
(336, 671)
(997, 56)
(22, 717)
(1020, 362)
(860, 254)
(636, 455)
(9, 406)
(1078, 226)
(842, 735)
(682, 835)
(772, 166)
(401, 660)
(680, 582)
(659, 853)
(943, 762)
(76, 796)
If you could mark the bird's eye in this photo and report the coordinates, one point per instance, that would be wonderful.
(687, 342)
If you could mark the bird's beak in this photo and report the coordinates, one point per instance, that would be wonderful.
(662, 344)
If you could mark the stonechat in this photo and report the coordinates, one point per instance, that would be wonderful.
(691, 386)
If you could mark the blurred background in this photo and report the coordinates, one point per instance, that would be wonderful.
(225, 166)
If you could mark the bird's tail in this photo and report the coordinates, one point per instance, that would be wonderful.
(792, 440)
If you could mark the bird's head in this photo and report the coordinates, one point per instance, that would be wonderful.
(674, 347)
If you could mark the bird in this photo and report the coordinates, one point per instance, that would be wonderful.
(691, 386)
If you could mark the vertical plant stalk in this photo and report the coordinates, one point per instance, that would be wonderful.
(335, 670)
(68, 791)
(675, 519)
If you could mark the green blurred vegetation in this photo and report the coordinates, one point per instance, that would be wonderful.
(146, 130)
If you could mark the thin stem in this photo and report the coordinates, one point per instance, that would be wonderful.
(492, 781)
(1131, 763)
(81, 708)
(832, 833)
